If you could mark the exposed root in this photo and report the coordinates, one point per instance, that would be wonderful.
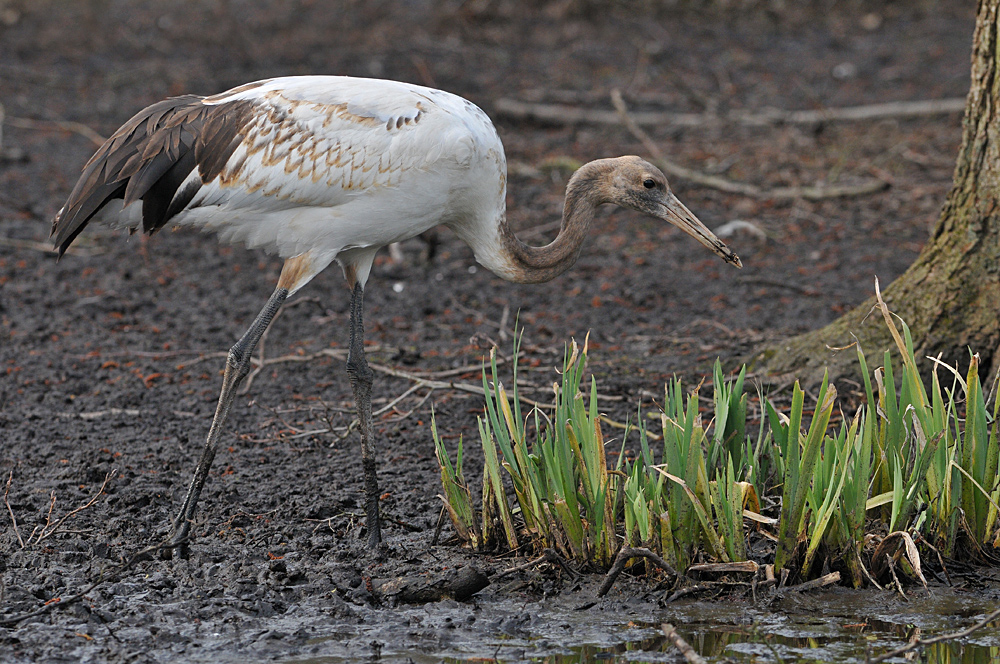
(626, 554)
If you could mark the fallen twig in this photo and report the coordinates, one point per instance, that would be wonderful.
(566, 114)
(626, 554)
(892, 570)
(548, 555)
(731, 186)
(421, 381)
(126, 412)
(439, 526)
(13, 520)
(60, 125)
(921, 643)
(45, 247)
(923, 540)
(682, 645)
(808, 291)
(386, 517)
(826, 580)
(391, 405)
(50, 528)
(867, 573)
(261, 361)
(746, 566)
(155, 354)
(688, 590)
(626, 425)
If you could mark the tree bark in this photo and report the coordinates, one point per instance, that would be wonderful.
(949, 297)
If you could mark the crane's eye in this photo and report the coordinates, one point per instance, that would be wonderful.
(649, 183)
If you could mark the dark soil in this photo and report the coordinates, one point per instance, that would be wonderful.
(110, 359)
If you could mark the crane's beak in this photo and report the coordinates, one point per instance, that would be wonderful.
(677, 214)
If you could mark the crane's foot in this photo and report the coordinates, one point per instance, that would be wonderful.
(176, 543)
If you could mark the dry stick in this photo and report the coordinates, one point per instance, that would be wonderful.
(503, 322)
(921, 643)
(564, 114)
(731, 186)
(745, 566)
(805, 290)
(261, 361)
(682, 645)
(64, 125)
(461, 371)
(391, 405)
(354, 423)
(548, 555)
(867, 573)
(892, 570)
(688, 590)
(439, 526)
(624, 425)
(403, 416)
(48, 517)
(398, 373)
(626, 554)
(357, 517)
(48, 531)
(13, 520)
(824, 580)
(50, 528)
(923, 540)
(159, 354)
(45, 247)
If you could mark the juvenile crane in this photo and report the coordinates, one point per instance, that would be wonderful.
(325, 168)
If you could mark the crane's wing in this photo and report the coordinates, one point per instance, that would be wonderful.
(273, 145)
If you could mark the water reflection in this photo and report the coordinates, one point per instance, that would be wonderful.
(834, 626)
(752, 644)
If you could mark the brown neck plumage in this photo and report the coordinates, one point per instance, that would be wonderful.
(584, 193)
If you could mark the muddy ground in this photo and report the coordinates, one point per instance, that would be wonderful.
(110, 360)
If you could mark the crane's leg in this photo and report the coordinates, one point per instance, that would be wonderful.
(361, 381)
(237, 367)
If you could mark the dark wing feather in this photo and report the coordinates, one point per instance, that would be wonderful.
(149, 158)
(157, 196)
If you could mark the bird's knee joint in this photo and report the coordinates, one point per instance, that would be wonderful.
(360, 372)
(238, 360)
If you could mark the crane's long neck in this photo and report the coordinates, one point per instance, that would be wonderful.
(532, 265)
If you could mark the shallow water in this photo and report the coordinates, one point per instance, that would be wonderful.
(836, 626)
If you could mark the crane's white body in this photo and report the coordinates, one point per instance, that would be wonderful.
(334, 168)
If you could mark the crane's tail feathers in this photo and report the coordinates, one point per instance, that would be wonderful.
(153, 158)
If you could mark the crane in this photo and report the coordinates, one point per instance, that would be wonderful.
(320, 169)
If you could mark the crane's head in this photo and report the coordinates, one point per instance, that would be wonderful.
(634, 183)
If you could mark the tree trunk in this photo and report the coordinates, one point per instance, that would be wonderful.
(950, 297)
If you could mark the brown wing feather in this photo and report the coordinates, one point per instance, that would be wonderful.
(148, 159)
